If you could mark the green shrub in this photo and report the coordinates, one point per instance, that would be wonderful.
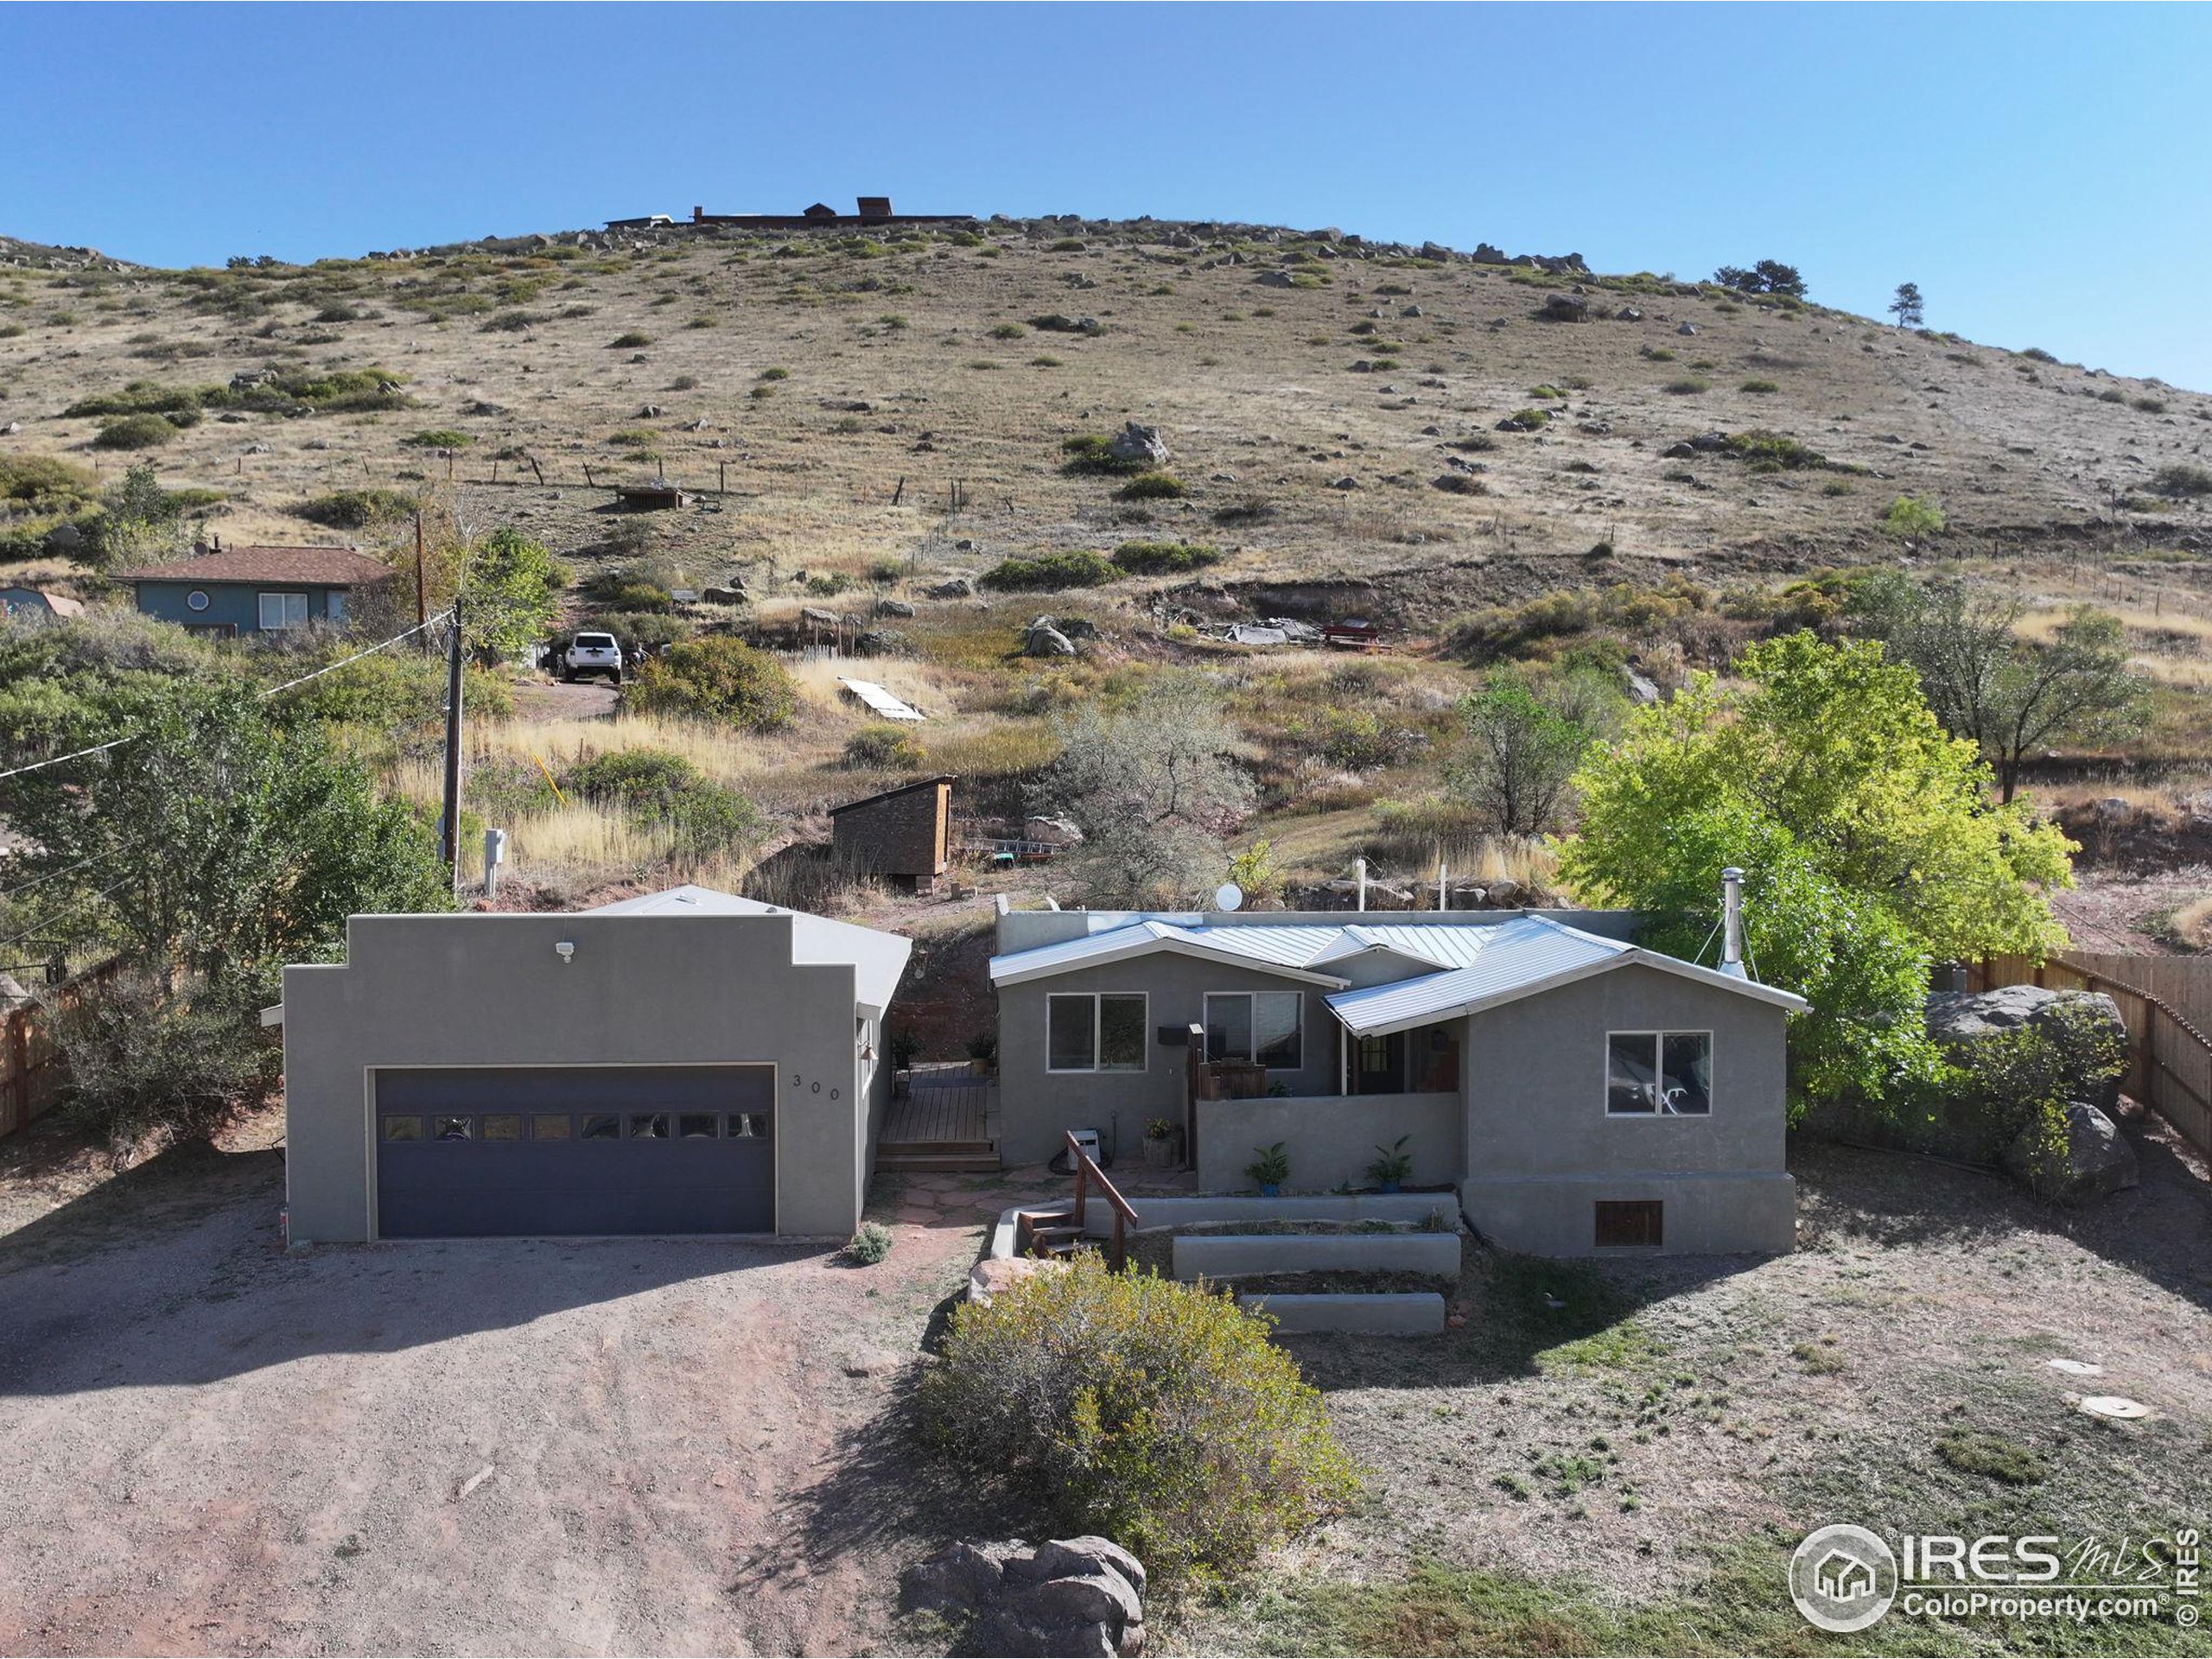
(511, 322)
(628, 341)
(716, 678)
(2022, 1078)
(1759, 387)
(1524, 420)
(1154, 487)
(1688, 386)
(1081, 568)
(871, 1245)
(135, 432)
(775, 374)
(1090, 452)
(1008, 331)
(1657, 354)
(658, 788)
(1157, 1414)
(883, 747)
(2036, 354)
(158, 1058)
(1913, 515)
(355, 509)
(647, 629)
(439, 437)
(1164, 558)
(1763, 446)
(2182, 479)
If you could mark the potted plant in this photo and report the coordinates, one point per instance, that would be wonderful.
(1270, 1169)
(903, 1044)
(1163, 1148)
(982, 1049)
(1389, 1170)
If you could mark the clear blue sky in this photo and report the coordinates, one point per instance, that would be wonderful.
(2041, 172)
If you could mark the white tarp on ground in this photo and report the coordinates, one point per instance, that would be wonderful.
(880, 701)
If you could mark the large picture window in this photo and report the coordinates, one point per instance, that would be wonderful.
(1659, 1074)
(1094, 1032)
(1263, 1027)
(283, 611)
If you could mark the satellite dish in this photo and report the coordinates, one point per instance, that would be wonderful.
(1228, 896)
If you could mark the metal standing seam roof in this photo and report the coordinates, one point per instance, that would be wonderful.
(877, 958)
(1479, 964)
(1286, 951)
(1527, 956)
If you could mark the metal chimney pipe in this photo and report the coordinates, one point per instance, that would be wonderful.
(1731, 922)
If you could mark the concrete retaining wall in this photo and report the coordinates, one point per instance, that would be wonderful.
(1227, 1255)
(1153, 1214)
(1420, 1315)
(1330, 1139)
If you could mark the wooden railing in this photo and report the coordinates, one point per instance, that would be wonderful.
(2169, 1059)
(1086, 1172)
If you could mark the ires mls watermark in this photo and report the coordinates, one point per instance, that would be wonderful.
(1844, 1578)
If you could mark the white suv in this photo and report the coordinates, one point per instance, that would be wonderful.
(592, 653)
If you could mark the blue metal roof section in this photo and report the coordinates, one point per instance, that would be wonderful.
(1479, 964)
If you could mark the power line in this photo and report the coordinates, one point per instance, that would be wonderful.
(116, 743)
(61, 915)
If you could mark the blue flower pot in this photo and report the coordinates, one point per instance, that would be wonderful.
(1270, 1190)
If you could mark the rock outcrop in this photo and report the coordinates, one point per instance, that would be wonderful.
(1066, 1596)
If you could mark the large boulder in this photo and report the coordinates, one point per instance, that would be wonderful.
(1957, 1019)
(1041, 639)
(1066, 1597)
(1140, 446)
(2095, 1163)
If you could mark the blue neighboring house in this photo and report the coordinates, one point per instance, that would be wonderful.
(227, 591)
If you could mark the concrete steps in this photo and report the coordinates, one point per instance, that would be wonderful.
(960, 1157)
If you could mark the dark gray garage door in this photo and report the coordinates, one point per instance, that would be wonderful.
(464, 1152)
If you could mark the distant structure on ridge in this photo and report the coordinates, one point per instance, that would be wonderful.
(873, 210)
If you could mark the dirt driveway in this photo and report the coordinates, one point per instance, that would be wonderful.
(526, 1446)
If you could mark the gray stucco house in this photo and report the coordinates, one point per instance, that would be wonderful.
(1581, 1092)
(227, 591)
(686, 1062)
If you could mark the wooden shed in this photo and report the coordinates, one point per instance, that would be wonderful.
(904, 834)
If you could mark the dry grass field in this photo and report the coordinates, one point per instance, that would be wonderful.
(863, 418)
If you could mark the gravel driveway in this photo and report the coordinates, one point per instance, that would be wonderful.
(489, 1446)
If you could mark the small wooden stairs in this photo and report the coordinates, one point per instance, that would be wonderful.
(1058, 1229)
(961, 1156)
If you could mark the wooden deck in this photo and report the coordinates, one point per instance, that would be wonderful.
(946, 1120)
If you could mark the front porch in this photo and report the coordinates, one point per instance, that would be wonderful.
(946, 1119)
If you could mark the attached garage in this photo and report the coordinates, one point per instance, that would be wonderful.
(686, 1063)
(516, 1151)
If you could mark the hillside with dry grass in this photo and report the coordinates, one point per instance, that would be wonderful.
(1493, 462)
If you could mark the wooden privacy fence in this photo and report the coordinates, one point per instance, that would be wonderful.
(2169, 1058)
(31, 1070)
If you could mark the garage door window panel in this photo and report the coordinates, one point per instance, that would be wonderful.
(696, 1126)
(550, 1125)
(453, 1128)
(648, 1126)
(403, 1129)
(602, 1126)
(503, 1126)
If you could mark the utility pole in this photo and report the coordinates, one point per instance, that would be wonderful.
(450, 837)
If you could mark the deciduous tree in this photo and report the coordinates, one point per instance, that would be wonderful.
(1871, 847)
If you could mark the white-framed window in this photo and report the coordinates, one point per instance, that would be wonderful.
(1264, 1028)
(1097, 1030)
(1658, 1073)
(283, 611)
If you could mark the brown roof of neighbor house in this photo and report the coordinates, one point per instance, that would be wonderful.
(321, 567)
(918, 783)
